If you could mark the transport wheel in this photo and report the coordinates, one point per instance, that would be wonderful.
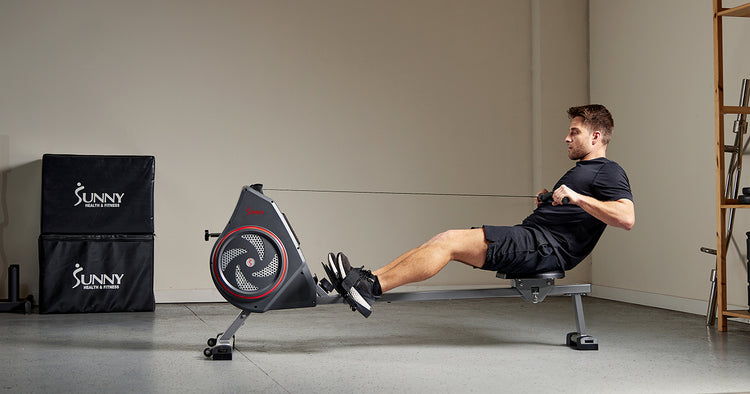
(569, 339)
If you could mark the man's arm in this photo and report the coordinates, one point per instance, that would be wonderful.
(620, 213)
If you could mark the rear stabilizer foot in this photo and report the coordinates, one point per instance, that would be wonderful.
(581, 341)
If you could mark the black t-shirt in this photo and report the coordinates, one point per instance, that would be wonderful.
(571, 230)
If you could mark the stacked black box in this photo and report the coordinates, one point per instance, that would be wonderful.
(96, 250)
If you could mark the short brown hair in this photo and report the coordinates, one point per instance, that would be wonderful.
(595, 117)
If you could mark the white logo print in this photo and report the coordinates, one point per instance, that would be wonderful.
(75, 273)
(97, 281)
(80, 199)
(97, 200)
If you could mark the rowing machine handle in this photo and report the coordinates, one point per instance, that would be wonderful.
(544, 197)
(207, 235)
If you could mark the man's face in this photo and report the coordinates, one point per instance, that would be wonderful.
(579, 139)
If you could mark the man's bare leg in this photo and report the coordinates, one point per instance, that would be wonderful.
(423, 262)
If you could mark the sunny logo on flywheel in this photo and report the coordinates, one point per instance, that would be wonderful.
(251, 211)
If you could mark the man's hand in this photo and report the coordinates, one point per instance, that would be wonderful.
(563, 192)
(536, 200)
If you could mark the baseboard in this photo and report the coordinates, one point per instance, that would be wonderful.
(697, 307)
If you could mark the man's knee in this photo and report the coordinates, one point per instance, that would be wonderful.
(466, 245)
(448, 239)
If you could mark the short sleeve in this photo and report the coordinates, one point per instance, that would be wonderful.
(611, 183)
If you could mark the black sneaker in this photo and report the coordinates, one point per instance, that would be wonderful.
(343, 264)
(333, 274)
(334, 267)
(359, 284)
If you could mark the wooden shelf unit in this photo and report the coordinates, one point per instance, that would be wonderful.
(740, 314)
(741, 11)
(722, 204)
(735, 110)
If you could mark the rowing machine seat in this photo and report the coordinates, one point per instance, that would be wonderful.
(538, 275)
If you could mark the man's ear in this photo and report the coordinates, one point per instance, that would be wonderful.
(596, 137)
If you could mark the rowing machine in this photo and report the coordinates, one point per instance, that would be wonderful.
(257, 265)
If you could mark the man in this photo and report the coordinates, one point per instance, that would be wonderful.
(557, 235)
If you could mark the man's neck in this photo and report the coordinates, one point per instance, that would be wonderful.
(595, 154)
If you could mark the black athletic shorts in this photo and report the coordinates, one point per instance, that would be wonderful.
(518, 249)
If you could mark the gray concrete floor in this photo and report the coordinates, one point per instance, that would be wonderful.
(481, 345)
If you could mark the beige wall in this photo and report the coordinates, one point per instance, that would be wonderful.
(410, 96)
(652, 62)
(403, 96)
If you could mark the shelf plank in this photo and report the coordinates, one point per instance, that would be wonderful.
(735, 206)
(732, 203)
(728, 109)
(740, 11)
(743, 314)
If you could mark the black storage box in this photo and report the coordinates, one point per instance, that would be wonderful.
(96, 250)
(96, 273)
(97, 194)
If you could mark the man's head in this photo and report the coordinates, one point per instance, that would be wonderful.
(596, 117)
(590, 131)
